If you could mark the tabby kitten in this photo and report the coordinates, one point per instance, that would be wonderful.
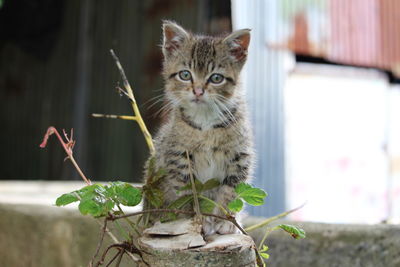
(208, 117)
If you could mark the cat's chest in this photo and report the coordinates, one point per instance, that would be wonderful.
(209, 164)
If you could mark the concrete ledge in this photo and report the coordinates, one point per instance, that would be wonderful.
(334, 245)
(33, 235)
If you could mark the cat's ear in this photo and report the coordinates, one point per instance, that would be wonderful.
(238, 43)
(174, 37)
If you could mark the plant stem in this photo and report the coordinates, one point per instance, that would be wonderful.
(110, 116)
(267, 232)
(132, 224)
(135, 108)
(67, 148)
(271, 219)
(216, 204)
(116, 241)
(195, 198)
(121, 230)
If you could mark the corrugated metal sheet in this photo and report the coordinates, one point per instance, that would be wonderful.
(358, 32)
(263, 79)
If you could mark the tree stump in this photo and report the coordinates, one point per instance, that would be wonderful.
(179, 243)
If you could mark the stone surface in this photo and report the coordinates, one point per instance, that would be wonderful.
(36, 236)
(45, 236)
(333, 245)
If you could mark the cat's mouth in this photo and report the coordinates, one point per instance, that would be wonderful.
(198, 101)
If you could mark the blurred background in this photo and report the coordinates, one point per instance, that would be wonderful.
(322, 84)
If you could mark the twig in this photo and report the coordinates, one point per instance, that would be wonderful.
(103, 257)
(120, 258)
(267, 232)
(109, 116)
(135, 108)
(132, 224)
(271, 219)
(103, 232)
(126, 247)
(215, 204)
(67, 147)
(116, 241)
(120, 252)
(195, 198)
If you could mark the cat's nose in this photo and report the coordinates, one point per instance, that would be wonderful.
(198, 91)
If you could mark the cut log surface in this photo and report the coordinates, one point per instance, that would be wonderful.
(179, 243)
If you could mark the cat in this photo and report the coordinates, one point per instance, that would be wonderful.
(207, 118)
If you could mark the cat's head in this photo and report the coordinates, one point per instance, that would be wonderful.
(202, 70)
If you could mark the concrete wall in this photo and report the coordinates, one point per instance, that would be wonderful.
(34, 235)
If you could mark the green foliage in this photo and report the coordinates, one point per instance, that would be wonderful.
(235, 205)
(263, 252)
(200, 187)
(154, 177)
(295, 232)
(206, 206)
(245, 192)
(98, 200)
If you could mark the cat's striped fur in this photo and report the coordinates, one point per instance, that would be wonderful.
(207, 119)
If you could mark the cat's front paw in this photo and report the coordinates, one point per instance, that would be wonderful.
(209, 226)
(214, 226)
(226, 227)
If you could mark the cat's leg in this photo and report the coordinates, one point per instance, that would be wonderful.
(237, 171)
(176, 166)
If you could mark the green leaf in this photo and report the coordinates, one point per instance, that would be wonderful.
(180, 202)
(252, 195)
(159, 175)
(242, 187)
(88, 191)
(254, 200)
(235, 205)
(264, 255)
(206, 206)
(210, 184)
(198, 185)
(66, 199)
(122, 193)
(169, 216)
(185, 188)
(155, 196)
(264, 248)
(128, 195)
(95, 207)
(89, 206)
(295, 232)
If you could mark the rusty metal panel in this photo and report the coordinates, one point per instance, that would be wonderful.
(362, 33)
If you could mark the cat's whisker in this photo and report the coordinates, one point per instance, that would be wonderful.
(232, 122)
(226, 110)
(171, 103)
(152, 99)
(160, 99)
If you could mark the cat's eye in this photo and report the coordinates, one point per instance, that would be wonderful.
(217, 78)
(185, 75)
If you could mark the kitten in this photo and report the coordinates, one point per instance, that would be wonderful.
(208, 117)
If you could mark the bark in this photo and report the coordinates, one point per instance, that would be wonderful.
(180, 243)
